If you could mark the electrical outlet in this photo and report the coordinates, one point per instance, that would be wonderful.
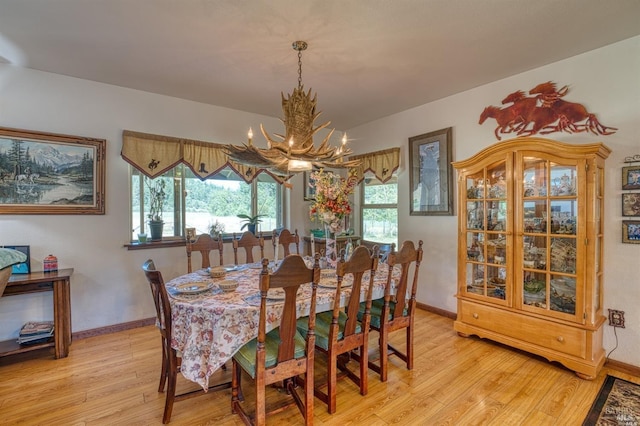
(616, 318)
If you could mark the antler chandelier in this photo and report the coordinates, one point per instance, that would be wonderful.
(295, 150)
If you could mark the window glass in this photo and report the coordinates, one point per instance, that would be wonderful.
(216, 200)
(380, 210)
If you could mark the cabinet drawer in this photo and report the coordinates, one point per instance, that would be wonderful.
(561, 338)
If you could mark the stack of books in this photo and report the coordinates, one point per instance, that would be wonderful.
(35, 332)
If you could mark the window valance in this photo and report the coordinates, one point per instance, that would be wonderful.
(154, 155)
(381, 163)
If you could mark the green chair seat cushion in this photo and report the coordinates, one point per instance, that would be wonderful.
(323, 325)
(246, 355)
(376, 311)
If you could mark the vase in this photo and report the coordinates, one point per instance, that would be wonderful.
(330, 251)
(155, 229)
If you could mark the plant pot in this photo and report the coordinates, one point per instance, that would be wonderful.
(155, 229)
(251, 228)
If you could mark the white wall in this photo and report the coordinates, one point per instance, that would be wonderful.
(108, 287)
(607, 82)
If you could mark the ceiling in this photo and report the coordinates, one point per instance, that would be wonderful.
(366, 58)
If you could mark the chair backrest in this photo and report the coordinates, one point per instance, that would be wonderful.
(285, 239)
(383, 248)
(247, 241)
(160, 300)
(407, 257)
(289, 276)
(204, 243)
(361, 261)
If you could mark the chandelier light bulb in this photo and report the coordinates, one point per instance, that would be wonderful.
(344, 138)
(250, 135)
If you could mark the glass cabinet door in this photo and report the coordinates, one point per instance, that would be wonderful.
(485, 230)
(549, 226)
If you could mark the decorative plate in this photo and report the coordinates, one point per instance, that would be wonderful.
(204, 272)
(334, 284)
(192, 288)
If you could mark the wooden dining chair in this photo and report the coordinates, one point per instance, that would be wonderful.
(170, 359)
(340, 332)
(285, 239)
(282, 354)
(247, 241)
(205, 244)
(397, 311)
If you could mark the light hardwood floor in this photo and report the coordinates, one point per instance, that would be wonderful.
(112, 380)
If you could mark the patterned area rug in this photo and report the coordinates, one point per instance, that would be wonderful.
(618, 403)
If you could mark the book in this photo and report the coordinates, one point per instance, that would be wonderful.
(34, 339)
(34, 332)
(37, 328)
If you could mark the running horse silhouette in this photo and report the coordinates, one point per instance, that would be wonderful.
(544, 112)
(572, 117)
(513, 118)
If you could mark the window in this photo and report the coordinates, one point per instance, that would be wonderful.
(193, 203)
(379, 210)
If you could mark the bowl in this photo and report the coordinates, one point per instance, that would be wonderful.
(228, 285)
(218, 272)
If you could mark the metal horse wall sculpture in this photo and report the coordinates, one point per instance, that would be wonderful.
(543, 111)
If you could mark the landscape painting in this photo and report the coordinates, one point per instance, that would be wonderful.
(43, 173)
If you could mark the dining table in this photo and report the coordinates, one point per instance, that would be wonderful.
(209, 325)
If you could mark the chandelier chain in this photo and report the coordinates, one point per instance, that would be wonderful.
(299, 69)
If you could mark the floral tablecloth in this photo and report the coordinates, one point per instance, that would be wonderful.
(209, 327)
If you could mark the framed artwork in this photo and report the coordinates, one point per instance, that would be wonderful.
(46, 173)
(631, 231)
(631, 204)
(309, 191)
(24, 267)
(431, 173)
(631, 177)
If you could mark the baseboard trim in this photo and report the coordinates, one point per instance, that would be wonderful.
(433, 309)
(113, 328)
(622, 367)
(610, 363)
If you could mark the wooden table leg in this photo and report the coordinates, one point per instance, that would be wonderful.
(62, 315)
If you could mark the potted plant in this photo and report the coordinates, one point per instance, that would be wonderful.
(157, 197)
(250, 222)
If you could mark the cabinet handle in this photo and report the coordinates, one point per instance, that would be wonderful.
(560, 339)
(476, 316)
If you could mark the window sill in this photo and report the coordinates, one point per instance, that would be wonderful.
(155, 244)
(173, 243)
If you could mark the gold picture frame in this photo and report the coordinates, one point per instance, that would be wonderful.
(309, 191)
(631, 204)
(631, 231)
(48, 173)
(631, 177)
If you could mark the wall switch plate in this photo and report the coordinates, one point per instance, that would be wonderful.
(616, 318)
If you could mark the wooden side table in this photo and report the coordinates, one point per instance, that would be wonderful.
(59, 282)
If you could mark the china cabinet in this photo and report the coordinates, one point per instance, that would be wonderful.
(530, 272)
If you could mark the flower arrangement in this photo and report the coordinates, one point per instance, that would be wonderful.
(331, 204)
(216, 228)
